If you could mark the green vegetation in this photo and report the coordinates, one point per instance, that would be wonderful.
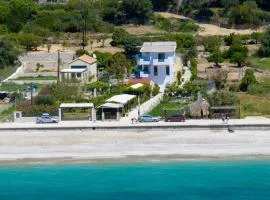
(175, 25)
(193, 67)
(12, 87)
(216, 57)
(171, 107)
(7, 114)
(223, 98)
(40, 77)
(8, 53)
(257, 62)
(264, 51)
(211, 43)
(240, 13)
(120, 66)
(252, 105)
(237, 53)
(256, 101)
(248, 79)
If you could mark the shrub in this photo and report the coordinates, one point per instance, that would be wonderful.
(194, 70)
(223, 98)
(234, 88)
(188, 26)
(119, 37)
(144, 90)
(264, 50)
(248, 79)
(45, 100)
(163, 23)
(37, 110)
(211, 43)
(46, 91)
(256, 89)
(80, 52)
(98, 85)
(155, 90)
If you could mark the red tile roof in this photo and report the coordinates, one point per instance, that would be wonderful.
(87, 59)
(140, 80)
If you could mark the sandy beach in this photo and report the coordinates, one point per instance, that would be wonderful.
(63, 146)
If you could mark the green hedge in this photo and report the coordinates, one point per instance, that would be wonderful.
(37, 110)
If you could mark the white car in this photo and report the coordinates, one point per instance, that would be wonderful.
(45, 118)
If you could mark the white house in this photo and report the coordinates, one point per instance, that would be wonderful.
(83, 69)
(156, 62)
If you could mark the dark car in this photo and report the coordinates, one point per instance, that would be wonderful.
(45, 118)
(175, 118)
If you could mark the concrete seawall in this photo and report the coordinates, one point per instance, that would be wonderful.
(141, 128)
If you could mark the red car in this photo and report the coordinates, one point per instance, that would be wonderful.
(176, 118)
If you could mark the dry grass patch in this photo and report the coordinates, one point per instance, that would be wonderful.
(252, 105)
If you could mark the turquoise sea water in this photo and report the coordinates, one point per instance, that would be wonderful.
(219, 180)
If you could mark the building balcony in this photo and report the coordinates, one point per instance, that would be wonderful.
(143, 74)
(142, 61)
(161, 62)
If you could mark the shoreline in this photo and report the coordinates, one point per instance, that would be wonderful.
(154, 159)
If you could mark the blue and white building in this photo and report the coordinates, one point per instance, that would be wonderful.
(157, 62)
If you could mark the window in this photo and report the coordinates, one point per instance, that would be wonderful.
(146, 69)
(155, 71)
(78, 67)
(168, 70)
(161, 57)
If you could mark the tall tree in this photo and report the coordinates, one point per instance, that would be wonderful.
(264, 51)
(8, 53)
(138, 11)
(216, 57)
(119, 65)
(238, 53)
(20, 12)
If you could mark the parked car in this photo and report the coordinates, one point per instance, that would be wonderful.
(45, 118)
(175, 118)
(148, 118)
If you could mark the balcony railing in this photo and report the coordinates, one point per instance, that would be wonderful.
(143, 74)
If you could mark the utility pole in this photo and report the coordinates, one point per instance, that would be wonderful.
(58, 65)
(31, 94)
(139, 107)
(84, 13)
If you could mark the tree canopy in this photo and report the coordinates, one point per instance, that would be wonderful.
(264, 51)
(238, 54)
(8, 53)
(119, 66)
(248, 79)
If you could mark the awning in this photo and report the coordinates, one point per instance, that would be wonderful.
(73, 70)
(77, 105)
(111, 105)
(122, 98)
(136, 86)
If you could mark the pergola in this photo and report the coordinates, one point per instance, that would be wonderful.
(89, 106)
(219, 112)
(79, 74)
(114, 106)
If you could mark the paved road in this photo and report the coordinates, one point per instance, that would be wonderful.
(128, 124)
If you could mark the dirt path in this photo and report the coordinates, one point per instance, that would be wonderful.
(210, 29)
